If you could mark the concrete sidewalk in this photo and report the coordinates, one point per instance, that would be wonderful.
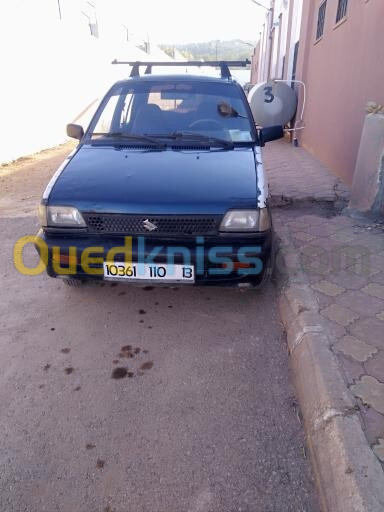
(332, 304)
(296, 176)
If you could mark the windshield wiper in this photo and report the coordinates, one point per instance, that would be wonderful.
(199, 137)
(130, 136)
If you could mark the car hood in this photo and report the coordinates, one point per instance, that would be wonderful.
(115, 180)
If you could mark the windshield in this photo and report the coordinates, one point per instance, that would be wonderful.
(161, 108)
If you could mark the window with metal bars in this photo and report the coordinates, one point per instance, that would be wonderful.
(341, 10)
(321, 20)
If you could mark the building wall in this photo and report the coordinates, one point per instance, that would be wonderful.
(265, 49)
(255, 64)
(343, 71)
(278, 39)
(293, 36)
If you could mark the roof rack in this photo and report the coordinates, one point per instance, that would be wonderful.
(224, 65)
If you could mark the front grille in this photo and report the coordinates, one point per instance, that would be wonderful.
(111, 223)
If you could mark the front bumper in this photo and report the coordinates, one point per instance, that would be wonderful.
(205, 253)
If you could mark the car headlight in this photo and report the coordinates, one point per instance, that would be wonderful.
(60, 216)
(246, 220)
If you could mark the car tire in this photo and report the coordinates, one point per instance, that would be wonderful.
(270, 269)
(74, 283)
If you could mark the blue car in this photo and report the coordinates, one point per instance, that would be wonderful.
(165, 187)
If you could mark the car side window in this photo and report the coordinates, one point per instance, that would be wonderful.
(104, 123)
(126, 112)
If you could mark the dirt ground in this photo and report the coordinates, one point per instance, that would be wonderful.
(202, 419)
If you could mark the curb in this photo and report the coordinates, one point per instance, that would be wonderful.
(281, 200)
(348, 475)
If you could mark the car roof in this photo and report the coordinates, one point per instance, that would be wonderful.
(176, 78)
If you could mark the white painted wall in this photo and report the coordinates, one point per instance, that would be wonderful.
(281, 35)
(264, 52)
(280, 21)
(295, 34)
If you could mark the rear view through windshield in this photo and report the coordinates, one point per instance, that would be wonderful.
(167, 107)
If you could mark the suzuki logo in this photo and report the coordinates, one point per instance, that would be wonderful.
(148, 225)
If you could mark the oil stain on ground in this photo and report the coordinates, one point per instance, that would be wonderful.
(129, 351)
(147, 366)
(69, 370)
(119, 373)
(126, 351)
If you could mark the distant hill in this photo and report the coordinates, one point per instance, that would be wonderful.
(210, 50)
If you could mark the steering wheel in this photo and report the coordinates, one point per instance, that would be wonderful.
(206, 123)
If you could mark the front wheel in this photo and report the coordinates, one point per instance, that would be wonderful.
(74, 283)
(260, 284)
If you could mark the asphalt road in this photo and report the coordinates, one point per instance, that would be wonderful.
(204, 419)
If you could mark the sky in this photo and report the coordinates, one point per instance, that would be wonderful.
(183, 21)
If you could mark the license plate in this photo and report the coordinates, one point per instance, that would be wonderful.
(149, 272)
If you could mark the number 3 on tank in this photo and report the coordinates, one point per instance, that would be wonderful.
(269, 97)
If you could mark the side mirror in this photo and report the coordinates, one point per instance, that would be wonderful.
(75, 131)
(270, 133)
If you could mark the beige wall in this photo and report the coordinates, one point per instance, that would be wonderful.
(342, 71)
